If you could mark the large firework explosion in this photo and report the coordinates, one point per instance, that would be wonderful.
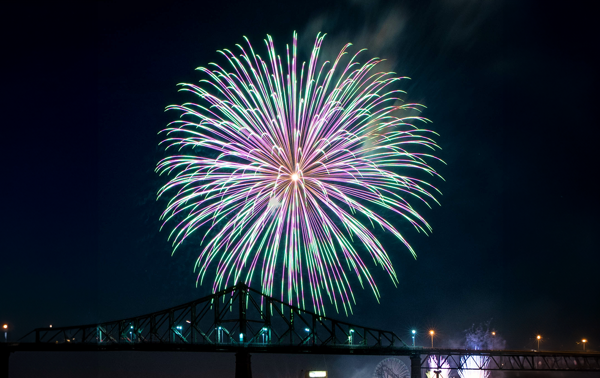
(291, 170)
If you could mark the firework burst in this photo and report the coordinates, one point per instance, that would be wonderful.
(285, 171)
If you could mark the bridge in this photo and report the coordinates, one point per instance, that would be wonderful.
(242, 320)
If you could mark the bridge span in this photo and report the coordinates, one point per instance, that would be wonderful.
(243, 321)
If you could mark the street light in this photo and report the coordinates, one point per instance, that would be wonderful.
(431, 333)
(414, 332)
(5, 328)
(493, 338)
(583, 342)
(538, 339)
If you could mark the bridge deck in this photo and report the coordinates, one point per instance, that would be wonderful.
(444, 358)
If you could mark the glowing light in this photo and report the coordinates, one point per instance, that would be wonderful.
(5, 326)
(431, 332)
(292, 169)
(414, 332)
(473, 367)
(274, 203)
(438, 367)
(317, 374)
(539, 337)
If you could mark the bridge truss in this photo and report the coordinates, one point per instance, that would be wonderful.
(508, 360)
(236, 317)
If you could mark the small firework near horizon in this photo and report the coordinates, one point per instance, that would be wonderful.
(289, 168)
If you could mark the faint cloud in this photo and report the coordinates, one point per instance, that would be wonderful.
(390, 31)
(377, 31)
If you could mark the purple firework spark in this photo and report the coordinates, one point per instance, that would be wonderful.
(281, 164)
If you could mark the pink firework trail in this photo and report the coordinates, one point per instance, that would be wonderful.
(286, 169)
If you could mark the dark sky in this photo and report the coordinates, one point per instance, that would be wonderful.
(510, 87)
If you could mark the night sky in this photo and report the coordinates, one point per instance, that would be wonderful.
(510, 87)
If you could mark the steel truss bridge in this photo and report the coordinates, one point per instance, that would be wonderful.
(242, 320)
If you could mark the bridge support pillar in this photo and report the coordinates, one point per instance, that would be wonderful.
(415, 366)
(243, 368)
(4, 356)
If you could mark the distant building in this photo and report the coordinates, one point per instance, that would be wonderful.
(316, 374)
